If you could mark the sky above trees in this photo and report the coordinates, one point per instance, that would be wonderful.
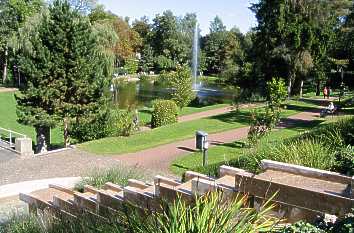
(233, 13)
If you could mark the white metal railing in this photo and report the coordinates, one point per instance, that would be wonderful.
(11, 134)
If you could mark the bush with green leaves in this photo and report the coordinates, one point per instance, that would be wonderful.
(341, 225)
(326, 147)
(108, 123)
(181, 83)
(122, 122)
(276, 94)
(309, 153)
(91, 128)
(164, 112)
(117, 175)
(345, 161)
(210, 213)
(276, 90)
(302, 227)
(260, 125)
(131, 65)
(261, 122)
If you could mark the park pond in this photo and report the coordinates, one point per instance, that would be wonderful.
(140, 94)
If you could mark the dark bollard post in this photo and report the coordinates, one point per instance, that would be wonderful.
(205, 153)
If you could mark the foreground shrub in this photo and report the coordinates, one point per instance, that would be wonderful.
(309, 153)
(345, 161)
(118, 175)
(302, 227)
(210, 213)
(335, 134)
(341, 225)
(28, 224)
(121, 123)
(165, 112)
(260, 124)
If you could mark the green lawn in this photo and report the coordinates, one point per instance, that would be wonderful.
(226, 152)
(166, 134)
(8, 119)
(180, 131)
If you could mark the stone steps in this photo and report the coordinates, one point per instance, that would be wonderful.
(300, 193)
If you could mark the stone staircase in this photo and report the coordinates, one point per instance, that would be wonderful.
(299, 192)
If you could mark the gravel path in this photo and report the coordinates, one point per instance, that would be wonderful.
(7, 89)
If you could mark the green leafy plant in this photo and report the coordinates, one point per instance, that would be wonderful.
(118, 175)
(211, 213)
(302, 227)
(260, 124)
(181, 83)
(164, 112)
(131, 65)
(121, 122)
(276, 95)
(308, 153)
(345, 161)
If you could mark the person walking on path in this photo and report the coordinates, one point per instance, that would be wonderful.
(325, 92)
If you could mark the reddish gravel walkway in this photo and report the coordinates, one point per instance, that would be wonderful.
(7, 89)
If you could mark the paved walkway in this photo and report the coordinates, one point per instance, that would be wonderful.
(7, 89)
(6, 155)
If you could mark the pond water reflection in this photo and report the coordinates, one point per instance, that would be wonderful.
(141, 94)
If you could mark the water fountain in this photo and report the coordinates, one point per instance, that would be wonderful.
(195, 56)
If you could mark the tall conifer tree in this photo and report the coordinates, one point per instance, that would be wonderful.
(65, 72)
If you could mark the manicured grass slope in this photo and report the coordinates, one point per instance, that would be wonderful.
(8, 119)
(166, 134)
(180, 131)
(230, 151)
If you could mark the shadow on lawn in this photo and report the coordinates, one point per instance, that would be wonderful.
(145, 111)
(301, 108)
(234, 116)
(318, 102)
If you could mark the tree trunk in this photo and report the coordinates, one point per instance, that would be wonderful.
(4, 74)
(66, 133)
(318, 88)
(43, 139)
(289, 87)
(301, 86)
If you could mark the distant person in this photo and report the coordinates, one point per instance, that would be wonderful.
(329, 92)
(330, 107)
(325, 92)
(136, 119)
